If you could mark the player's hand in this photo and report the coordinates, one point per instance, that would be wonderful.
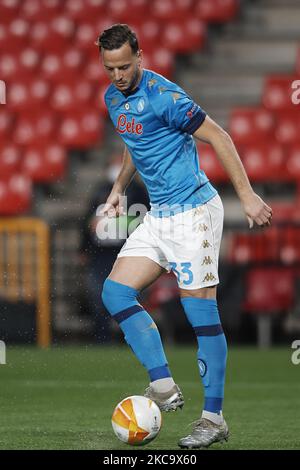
(257, 211)
(114, 205)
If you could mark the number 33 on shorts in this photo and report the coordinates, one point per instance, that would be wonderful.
(182, 272)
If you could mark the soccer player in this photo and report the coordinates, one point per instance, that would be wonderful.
(182, 232)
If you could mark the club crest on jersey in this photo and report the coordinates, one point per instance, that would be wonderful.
(141, 105)
(130, 126)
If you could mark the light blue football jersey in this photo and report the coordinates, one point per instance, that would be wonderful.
(156, 122)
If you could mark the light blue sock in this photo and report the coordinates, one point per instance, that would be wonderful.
(212, 348)
(140, 331)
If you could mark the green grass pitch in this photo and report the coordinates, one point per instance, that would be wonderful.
(63, 398)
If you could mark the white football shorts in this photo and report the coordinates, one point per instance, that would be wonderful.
(187, 243)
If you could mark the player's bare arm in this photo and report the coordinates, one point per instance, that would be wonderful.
(255, 208)
(113, 205)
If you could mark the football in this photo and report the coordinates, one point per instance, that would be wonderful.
(136, 420)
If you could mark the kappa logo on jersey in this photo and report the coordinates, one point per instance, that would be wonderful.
(129, 126)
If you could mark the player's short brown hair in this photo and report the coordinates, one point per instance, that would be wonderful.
(116, 36)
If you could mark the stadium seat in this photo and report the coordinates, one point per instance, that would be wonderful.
(290, 248)
(264, 161)
(171, 10)
(9, 10)
(269, 290)
(293, 162)
(183, 37)
(210, 164)
(85, 37)
(72, 63)
(277, 93)
(40, 10)
(149, 35)
(44, 163)
(10, 158)
(17, 34)
(128, 11)
(35, 127)
(93, 70)
(81, 129)
(28, 62)
(162, 61)
(15, 195)
(241, 248)
(216, 11)
(9, 66)
(287, 130)
(251, 125)
(85, 10)
(28, 94)
(53, 36)
(7, 119)
(72, 95)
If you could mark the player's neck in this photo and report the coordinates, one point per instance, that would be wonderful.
(135, 84)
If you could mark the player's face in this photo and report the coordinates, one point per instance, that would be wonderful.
(123, 67)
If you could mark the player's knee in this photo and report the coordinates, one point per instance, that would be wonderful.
(116, 296)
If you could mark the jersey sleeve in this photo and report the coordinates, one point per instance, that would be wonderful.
(176, 109)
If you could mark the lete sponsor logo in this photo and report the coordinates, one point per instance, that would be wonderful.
(129, 126)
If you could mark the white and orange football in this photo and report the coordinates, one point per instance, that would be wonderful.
(136, 420)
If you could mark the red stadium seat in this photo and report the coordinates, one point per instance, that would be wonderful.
(9, 67)
(210, 164)
(290, 247)
(250, 125)
(45, 163)
(171, 10)
(72, 96)
(216, 11)
(10, 158)
(186, 36)
(85, 37)
(53, 36)
(40, 10)
(293, 162)
(277, 94)
(241, 249)
(28, 62)
(163, 62)
(28, 94)
(94, 71)
(9, 10)
(15, 195)
(35, 127)
(269, 290)
(17, 35)
(264, 161)
(85, 10)
(81, 129)
(149, 35)
(287, 131)
(128, 11)
(7, 120)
